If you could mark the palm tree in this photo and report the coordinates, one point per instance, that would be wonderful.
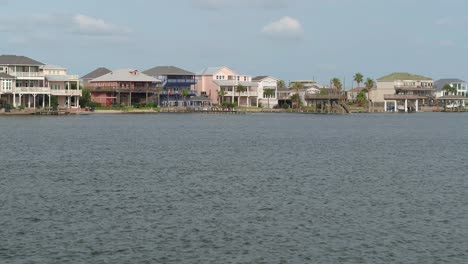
(221, 94)
(369, 86)
(297, 86)
(240, 89)
(358, 78)
(185, 93)
(337, 83)
(268, 93)
(450, 90)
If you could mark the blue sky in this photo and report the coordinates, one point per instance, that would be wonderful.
(289, 39)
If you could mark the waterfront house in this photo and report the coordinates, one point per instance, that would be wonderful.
(451, 99)
(124, 87)
(93, 75)
(26, 82)
(220, 84)
(66, 87)
(405, 91)
(175, 82)
(7, 83)
(264, 83)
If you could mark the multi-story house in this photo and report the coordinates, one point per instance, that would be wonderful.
(27, 83)
(177, 84)
(266, 83)
(461, 87)
(402, 92)
(124, 87)
(456, 97)
(221, 83)
(66, 87)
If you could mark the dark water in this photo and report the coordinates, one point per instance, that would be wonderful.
(265, 188)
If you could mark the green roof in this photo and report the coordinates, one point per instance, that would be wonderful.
(403, 76)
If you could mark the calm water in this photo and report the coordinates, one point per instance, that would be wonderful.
(260, 188)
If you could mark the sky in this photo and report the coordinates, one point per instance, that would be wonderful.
(287, 39)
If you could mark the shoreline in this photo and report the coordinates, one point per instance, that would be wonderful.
(175, 111)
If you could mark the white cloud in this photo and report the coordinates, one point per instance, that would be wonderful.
(25, 28)
(287, 27)
(87, 25)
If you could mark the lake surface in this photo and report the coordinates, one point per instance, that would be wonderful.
(256, 188)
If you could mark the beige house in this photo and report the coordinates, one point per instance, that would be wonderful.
(402, 92)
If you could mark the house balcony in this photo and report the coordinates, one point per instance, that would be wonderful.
(127, 89)
(169, 82)
(330, 96)
(64, 92)
(248, 94)
(191, 93)
(413, 88)
(27, 74)
(32, 90)
(284, 96)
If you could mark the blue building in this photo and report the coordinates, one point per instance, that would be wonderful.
(174, 82)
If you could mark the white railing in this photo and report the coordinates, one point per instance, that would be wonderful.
(32, 90)
(242, 94)
(26, 74)
(66, 92)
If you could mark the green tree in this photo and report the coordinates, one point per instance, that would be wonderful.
(370, 83)
(268, 93)
(337, 83)
(240, 89)
(361, 98)
(358, 78)
(185, 93)
(85, 98)
(297, 99)
(449, 90)
(281, 84)
(221, 94)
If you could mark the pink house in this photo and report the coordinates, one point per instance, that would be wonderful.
(220, 84)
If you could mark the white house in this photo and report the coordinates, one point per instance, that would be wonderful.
(264, 83)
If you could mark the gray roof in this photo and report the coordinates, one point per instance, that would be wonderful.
(210, 70)
(96, 73)
(5, 76)
(260, 78)
(126, 75)
(167, 70)
(18, 60)
(235, 83)
(439, 84)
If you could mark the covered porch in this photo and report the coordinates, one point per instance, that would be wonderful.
(453, 102)
(402, 102)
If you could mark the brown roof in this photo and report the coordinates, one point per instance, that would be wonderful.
(96, 73)
(18, 60)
